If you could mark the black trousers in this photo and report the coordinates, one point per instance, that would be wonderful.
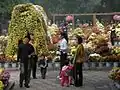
(112, 41)
(78, 74)
(25, 71)
(34, 67)
(33, 62)
(63, 58)
(43, 72)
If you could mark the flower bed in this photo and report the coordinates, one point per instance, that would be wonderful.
(4, 78)
(109, 58)
(114, 75)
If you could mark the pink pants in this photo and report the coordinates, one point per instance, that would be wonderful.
(66, 80)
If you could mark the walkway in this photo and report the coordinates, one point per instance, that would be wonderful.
(93, 80)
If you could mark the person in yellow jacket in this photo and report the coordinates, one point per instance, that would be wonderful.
(77, 62)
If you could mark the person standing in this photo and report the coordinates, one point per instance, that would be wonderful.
(65, 30)
(63, 47)
(34, 60)
(113, 35)
(77, 62)
(25, 50)
(43, 63)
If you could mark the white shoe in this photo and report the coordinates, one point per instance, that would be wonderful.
(58, 76)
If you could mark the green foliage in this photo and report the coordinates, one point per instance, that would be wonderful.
(64, 6)
(6, 7)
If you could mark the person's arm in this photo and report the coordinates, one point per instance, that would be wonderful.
(46, 63)
(18, 53)
(82, 53)
(32, 51)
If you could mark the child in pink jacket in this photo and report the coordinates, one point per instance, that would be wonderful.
(66, 78)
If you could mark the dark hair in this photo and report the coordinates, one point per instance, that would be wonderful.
(80, 40)
(27, 37)
(20, 41)
(66, 62)
(113, 27)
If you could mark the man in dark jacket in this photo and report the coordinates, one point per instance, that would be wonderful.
(25, 50)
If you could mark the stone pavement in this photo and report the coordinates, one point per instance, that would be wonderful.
(93, 80)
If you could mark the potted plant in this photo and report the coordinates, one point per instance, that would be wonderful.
(110, 59)
(102, 62)
(116, 62)
(114, 75)
(94, 58)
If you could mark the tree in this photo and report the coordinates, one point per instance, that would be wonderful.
(6, 7)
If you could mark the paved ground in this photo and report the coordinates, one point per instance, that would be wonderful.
(93, 80)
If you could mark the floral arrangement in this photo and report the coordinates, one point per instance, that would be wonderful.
(53, 33)
(4, 58)
(3, 43)
(78, 31)
(109, 58)
(4, 77)
(1, 85)
(116, 50)
(114, 74)
(99, 25)
(95, 57)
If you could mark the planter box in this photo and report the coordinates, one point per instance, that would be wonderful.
(108, 64)
(57, 65)
(101, 65)
(14, 65)
(86, 65)
(115, 64)
(10, 65)
(93, 64)
(0, 65)
(6, 65)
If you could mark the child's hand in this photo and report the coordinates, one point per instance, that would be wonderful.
(46, 58)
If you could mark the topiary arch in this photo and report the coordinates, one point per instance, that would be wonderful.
(27, 17)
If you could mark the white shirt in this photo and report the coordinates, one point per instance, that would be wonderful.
(63, 45)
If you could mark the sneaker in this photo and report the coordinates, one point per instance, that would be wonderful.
(27, 86)
(58, 76)
(20, 85)
(34, 78)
